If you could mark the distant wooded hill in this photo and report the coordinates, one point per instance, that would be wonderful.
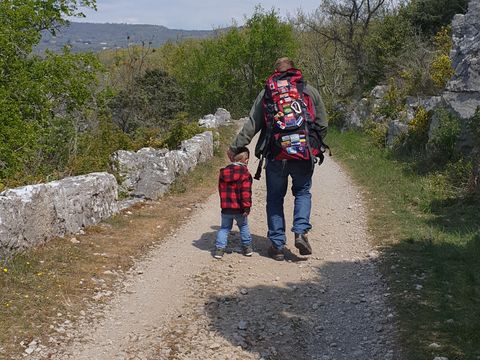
(97, 37)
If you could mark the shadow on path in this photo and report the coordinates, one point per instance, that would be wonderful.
(260, 244)
(339, 314)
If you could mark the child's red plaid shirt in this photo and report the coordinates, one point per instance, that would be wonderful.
(235, 188)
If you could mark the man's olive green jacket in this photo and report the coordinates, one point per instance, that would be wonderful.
(256, 121)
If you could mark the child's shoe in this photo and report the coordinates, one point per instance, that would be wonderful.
(219, 252)
(247, 250)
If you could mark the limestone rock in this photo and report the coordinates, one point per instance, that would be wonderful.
(31, 215)
(211, 121)
(463, 90)
(379, 92)
(395, 130)
(148, 173)
(208, 121)
(223, 116)
(82, 201)
(358, 115)
(429, 103)
(377, 95)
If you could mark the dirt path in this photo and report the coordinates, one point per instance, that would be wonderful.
(183, 304)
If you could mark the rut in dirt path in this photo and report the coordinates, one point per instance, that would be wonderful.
(183, 304)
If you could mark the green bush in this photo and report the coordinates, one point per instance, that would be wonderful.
(392, 103)
(96, 146)
(336, 116)
(459, 174)
(181, 130)
(40, 97)
(442, 145)
(418, 129)
(441, 70)
(377, 132)
(150, 101)
(429, 16)
(388, 37)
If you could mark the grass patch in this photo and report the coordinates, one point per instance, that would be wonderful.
(44, 287)
(431, 242)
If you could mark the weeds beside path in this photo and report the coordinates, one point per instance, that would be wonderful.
(431, 250)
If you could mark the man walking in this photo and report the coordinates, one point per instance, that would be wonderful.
(292, 121)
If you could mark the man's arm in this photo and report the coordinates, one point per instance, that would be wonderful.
(320, 111)
(251, 127)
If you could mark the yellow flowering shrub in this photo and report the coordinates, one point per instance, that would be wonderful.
(441, 70)
(418, 128)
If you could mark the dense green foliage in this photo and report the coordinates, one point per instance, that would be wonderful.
(230, 69)
(40, 98)
(151, 100)
(65, 113)
(429, 16)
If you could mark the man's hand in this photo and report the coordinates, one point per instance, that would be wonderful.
(230, 154)
(246, 212)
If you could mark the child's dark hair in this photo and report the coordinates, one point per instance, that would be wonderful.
(242, 154)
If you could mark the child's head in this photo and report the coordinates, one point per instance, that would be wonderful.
(242, 155)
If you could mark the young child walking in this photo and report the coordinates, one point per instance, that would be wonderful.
(235, 188)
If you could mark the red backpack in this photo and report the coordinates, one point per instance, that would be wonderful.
(288, 113)
(291, 131)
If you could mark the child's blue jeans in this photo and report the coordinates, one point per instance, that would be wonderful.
(227, 223)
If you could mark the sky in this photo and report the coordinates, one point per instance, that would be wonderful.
(188, 14)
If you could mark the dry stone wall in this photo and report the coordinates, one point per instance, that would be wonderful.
(31, 215)
(221, 117)
(148, 173)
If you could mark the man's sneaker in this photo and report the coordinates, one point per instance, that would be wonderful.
(219, 253)
(302, 244)
(276, 254)
(247, 250)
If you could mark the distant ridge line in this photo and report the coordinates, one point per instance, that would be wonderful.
(86, 36)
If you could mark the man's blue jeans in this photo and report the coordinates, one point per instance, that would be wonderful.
(277, 181)
(227, 223)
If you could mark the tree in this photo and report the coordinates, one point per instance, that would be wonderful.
(346, 24)
(387, 39)
(153, 100)
(267, 38)
(323, 66)
(430, 16)
(22, 21)
(38, 95)
(228, 70)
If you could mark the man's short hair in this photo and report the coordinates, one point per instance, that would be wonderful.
(283, 64)
(242, 154)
